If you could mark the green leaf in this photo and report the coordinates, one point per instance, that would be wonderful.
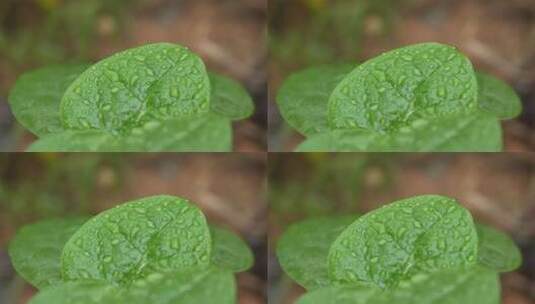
(36, 97)
(186, 287)
(151, 82)
(207, 133)
(303, 97)
(230, 251)
(182, 287)
(497, 251)
(457, 134)
(474, 286)
(35, 250)
(195, 134)
(136, 238)
(497, 97)
(420, 234)
(80, 292)
(76, 141)
(339, 294)
(453, 286)
(229, 98)
(303, 249)
(392, 90)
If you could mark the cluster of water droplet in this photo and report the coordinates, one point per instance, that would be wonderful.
(389, 92)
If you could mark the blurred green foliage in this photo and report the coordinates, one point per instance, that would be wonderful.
(313, 184)
(36, 32)
(309, 32)
(42, 185)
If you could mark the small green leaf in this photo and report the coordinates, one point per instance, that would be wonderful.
(35, 250)
(36, 97)
(229, 99)
(125, 243)
(182, 287)
(457, 134)
(76, 141)
(497, 97)
(303, 249)
(230, 252)
(196, 134)
(207, 133)
(420, 234)
(339, 294)
(497, 251)
(185, 287)
(80, 292)
(474, 286)
(151, 82)
(303, 96)
(392, 90)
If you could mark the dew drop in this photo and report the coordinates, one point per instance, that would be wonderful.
(112, 75)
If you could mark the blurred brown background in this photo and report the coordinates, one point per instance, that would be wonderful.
(229, 188)
(228, 34)
(498, 189)
(497, 35)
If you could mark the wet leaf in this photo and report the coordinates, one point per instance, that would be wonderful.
(196, 134)
(36, 97)
(474, 285)
(35, 250)
(186, 287)
(303, 249)
(478, 133)
(127, 242)
(80, 292)
(122, 92)
(303, 97)
(392, 90)
(182, 287)
(422, 234)
(76, 141)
